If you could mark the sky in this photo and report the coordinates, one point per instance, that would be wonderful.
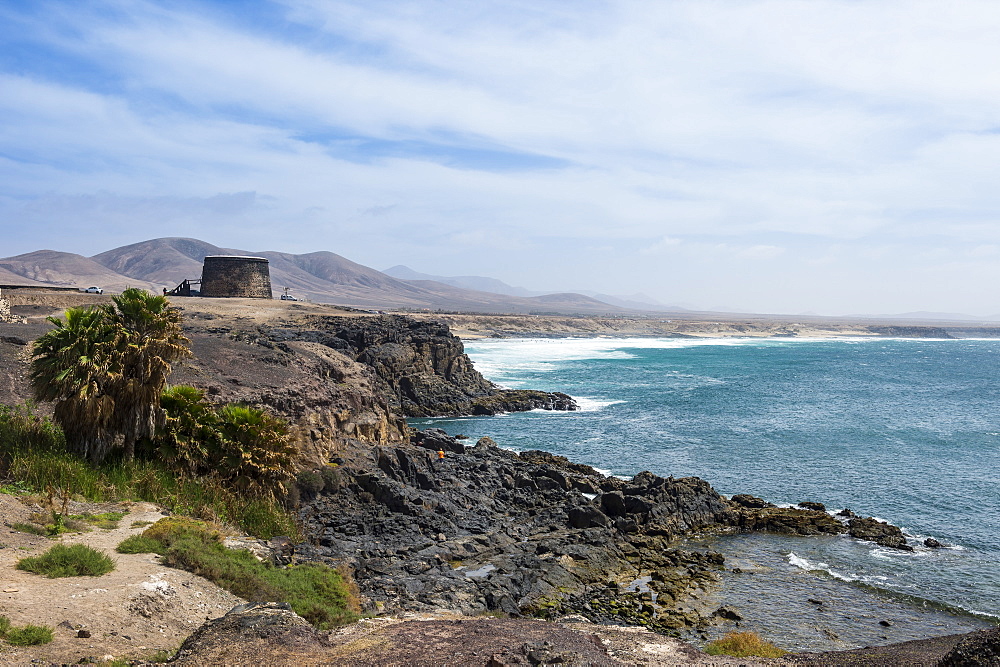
(774, 156)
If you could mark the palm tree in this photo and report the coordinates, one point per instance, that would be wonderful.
(190, 431)
(73, 366)
(149, 340)
(256, 454)
(106, 367)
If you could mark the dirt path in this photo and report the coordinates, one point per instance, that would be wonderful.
(132, 612)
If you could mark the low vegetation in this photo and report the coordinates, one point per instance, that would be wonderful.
(744, 645)
(27, 635)
(320, 594)
(76, 560)
(33, 452)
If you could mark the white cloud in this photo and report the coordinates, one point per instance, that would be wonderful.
(805, 140)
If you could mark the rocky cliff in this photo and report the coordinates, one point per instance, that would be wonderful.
(420, 367)
(346, 378)
(328, 398)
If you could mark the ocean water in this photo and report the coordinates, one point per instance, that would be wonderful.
(904, 430)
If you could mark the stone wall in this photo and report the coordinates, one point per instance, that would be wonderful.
(5, 314)
(230, 276)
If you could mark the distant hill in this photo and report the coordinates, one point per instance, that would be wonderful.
(484, 284)
(320, 276)
(163, 261)
(479, 283)
(65, 269)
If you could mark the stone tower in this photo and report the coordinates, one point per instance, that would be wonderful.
(234, 275)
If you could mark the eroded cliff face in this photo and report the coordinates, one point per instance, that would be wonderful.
(328, 398)
(420, 367)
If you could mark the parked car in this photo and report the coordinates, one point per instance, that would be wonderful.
(94, 290)
(288, 297)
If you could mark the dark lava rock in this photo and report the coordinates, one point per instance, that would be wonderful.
(846, 513)
(932, 543)
(791, 520)
(879, 532)
(489, 530)
(727, 613)
(420, 367)
(437, 440)
(263, 623)
(809, 505)
(486, 529)
(752, 502)
(979, 649)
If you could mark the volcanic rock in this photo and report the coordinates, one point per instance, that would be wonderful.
(881, 533)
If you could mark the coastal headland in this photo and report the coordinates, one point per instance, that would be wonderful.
(450, 533)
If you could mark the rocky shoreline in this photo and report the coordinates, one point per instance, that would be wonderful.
(486, 530)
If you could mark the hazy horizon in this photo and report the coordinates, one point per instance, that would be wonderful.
(831, 157)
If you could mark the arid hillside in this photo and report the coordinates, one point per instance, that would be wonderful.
(321, 276)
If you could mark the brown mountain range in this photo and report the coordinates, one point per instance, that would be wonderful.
(319, 276)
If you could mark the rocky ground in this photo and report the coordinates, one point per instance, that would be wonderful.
(139, 608)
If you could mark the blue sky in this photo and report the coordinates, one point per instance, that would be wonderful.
(772, 156)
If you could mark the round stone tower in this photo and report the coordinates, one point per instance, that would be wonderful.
(233, 275)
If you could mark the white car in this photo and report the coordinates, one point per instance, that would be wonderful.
(94, 290)
(288, 297)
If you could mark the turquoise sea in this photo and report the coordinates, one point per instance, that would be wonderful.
(904, 430)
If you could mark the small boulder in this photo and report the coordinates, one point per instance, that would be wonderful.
(932, 543)
(727, 613)
(879, 532)
(809, 505)
(436, 439)
(752, 502)
(587, 516)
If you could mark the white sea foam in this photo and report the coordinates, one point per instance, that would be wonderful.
(507, 360)
(593, 404)
(803, 564)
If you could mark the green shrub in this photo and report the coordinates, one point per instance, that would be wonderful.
(162, 655)
(744, 645)
(68, 561)
(140, 544)
(331, 478)
(320, 594)
(190, 430)
(149, 481)
(309, 483)
(105, 520)
(30, 528)
(29, 635)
